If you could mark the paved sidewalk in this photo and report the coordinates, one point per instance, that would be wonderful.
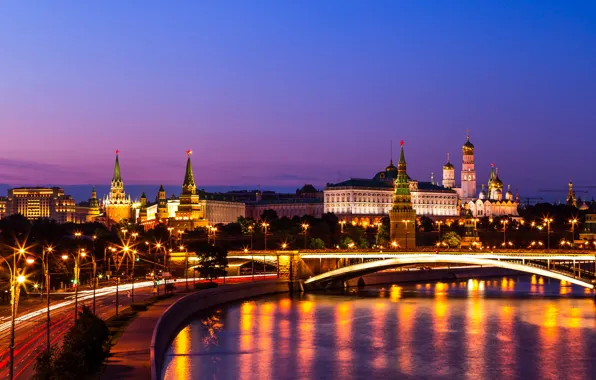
(130, 356)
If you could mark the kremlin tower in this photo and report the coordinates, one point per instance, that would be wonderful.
(402, 216)
(117, 204)
(190, 213)
(162, 205)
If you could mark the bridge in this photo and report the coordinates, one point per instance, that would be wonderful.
(333, 268)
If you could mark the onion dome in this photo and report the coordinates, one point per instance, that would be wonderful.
(482, 194)
(509, 194)
(497, 183)
(468, 147)
(448, 165)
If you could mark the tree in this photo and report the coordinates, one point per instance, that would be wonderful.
(213, 260)
(383, 235)
(347, 242)
(363, 243)
(269, 215)
(452, 239)
(316, 243)
(426, 224)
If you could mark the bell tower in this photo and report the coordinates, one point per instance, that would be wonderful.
(468, 172)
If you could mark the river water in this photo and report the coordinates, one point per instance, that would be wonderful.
(503, 328)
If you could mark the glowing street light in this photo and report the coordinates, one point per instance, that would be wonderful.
(265, 226)
(548, 221)
(342, 223)
(573, 222)
(305, 228)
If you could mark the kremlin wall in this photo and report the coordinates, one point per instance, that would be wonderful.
(356, 200)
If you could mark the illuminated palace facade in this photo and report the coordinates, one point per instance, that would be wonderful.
(368, 200)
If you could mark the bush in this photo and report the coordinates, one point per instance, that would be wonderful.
(206, 285)
(84, 348)
(139, 306)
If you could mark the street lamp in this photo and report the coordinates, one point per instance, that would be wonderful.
(251, 229)
(573, 222)
(504, 223)
(548, 221)
(439, 222)
(45, 253)
(342, 223)
(185, 264)
(305, 228)
(15, 281)
(265, 225)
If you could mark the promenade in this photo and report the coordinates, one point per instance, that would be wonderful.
(130, 356)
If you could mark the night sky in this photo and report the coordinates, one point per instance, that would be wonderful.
(282, 93)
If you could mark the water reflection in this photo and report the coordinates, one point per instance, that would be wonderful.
(506, 328)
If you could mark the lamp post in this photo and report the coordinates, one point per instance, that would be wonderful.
(115, 258)
(132, 279)
(185, 265)
(45, 253)
(548, 221)
(265, 225)
(251, 229)
(573, 222)
(305, 228)
(406, 225)
(15, 283)
(504, 223)
(439, 223)
(342, 223)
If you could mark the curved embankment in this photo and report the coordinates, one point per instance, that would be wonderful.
(179, 312)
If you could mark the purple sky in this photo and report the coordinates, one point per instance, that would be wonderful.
(284, 93)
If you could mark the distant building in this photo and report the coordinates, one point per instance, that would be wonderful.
(88, 212)
(41, 202)
(306, 201)
(588, 232)
(3, 201)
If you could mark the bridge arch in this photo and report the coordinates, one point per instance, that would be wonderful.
(356, 270)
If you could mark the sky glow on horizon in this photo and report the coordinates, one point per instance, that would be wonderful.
(287, 93)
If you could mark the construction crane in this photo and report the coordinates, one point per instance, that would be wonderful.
(526, 200)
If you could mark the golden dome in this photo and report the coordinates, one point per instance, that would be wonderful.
(468, 147)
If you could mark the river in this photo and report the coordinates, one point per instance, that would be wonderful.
(502, 328)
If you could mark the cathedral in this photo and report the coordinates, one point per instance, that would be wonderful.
(489, 203)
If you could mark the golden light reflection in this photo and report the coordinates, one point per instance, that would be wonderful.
(265, 339)
(378, 335)
(394, 293)
(285, 305)
(306, 334)
(506, 347)
(247, 342)
(181, 347)
(406, 316)
(476, 338)
(441, 336)
(343, 331)
(548, 341)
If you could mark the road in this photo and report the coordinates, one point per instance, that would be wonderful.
(30, 327)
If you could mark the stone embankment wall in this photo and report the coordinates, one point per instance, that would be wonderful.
(172, 319)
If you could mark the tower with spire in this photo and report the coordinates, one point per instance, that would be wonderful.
(571, 200)
(190, 214)
(162, 205)
(402, 216)
(468, 172)
(118, 205)
(448, 174)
